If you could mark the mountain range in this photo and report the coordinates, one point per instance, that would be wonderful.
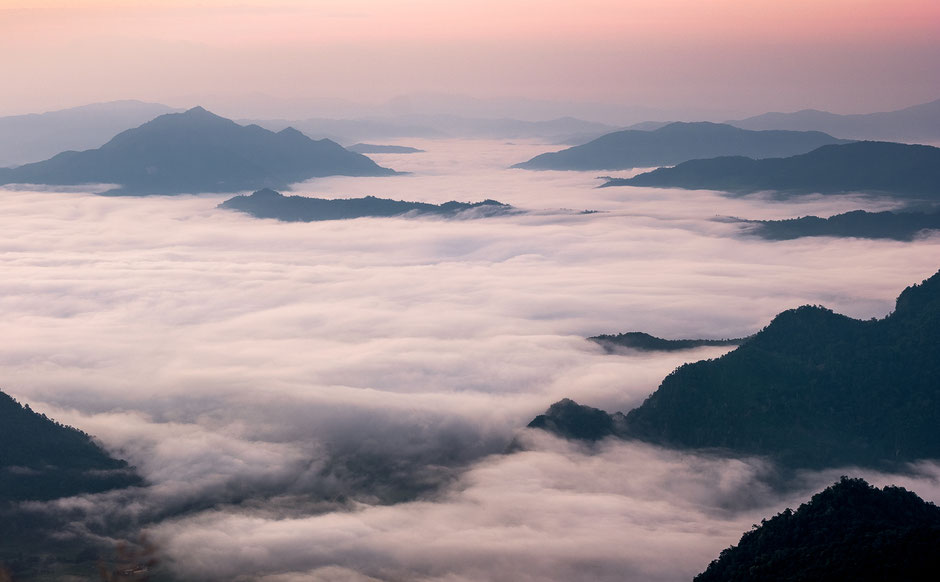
(267, 203)
(909, 171)
(38, 136)
(903, 226)
(813, 389)
(675, 143)
(916, 124)
(849, 531)
(197, 151)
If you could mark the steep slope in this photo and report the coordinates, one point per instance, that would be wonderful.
(675, 143)
(851, 531)
(812, 389)
(267, 203)
(42, 459)
(197, 151)
(911, 171)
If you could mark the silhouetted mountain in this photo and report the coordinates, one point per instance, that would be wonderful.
(850, 532)
(812, 389)
(42, 459)
(637, 340)
(912, 124)
(441, 126)
(37, 136)
(197, 151)
(868, 166)
(857, 223)
(369, 148)
(674, 143)
(571, 420)
(270, 204)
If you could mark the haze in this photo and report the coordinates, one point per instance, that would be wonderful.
(339, 58)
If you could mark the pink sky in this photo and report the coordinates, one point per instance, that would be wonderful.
(727, 55)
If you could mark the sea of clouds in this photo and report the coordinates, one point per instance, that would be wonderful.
(332, 400)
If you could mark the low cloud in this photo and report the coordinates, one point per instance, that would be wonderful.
(279, 386)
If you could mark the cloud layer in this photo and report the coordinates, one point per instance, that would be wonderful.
(279, 385)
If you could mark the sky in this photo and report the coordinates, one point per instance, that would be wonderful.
(291, 57)
(279, 385)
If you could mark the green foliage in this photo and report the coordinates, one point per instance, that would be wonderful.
(43, 459)
(849, 532)
(813, 389)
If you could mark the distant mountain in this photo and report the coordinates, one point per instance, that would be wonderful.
(197, 151)
(675, 143)
(42, 459)
(637, 340)
(914, 124)
(911, 171)
(441, 126)
(38, 136)
(812, 389)
(858, 223)
(849, 531)
(369, 148)
(270, 204)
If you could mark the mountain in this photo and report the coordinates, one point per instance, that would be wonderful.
(571, 420)
(369, 148)
(674, 143)
(851, 531)
(813, 389)
(37, 136)
(914, 124)
(424, 125)
(857, 223)
(869, 166)
(197, 151)
(637, 340)
(42, 459)
(267, 203)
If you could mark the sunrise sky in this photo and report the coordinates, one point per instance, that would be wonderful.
(736, 56)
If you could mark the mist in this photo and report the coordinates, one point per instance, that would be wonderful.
(332, 400)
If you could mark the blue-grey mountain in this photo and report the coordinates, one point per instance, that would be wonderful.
(675, 143)
(38, 136)
(371, 148)
(197, 151)
(917, 124)
(908, 171)
(267, 203)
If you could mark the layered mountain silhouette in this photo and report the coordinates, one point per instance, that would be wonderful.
(912, 124)
(675, 143)
(813, 389)
(268, 203)
(911, 171)
(638, 340)
(197, 151)
(41, 459)
(903, 226)
(849, 531)
(370, 148)
(37, 136)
